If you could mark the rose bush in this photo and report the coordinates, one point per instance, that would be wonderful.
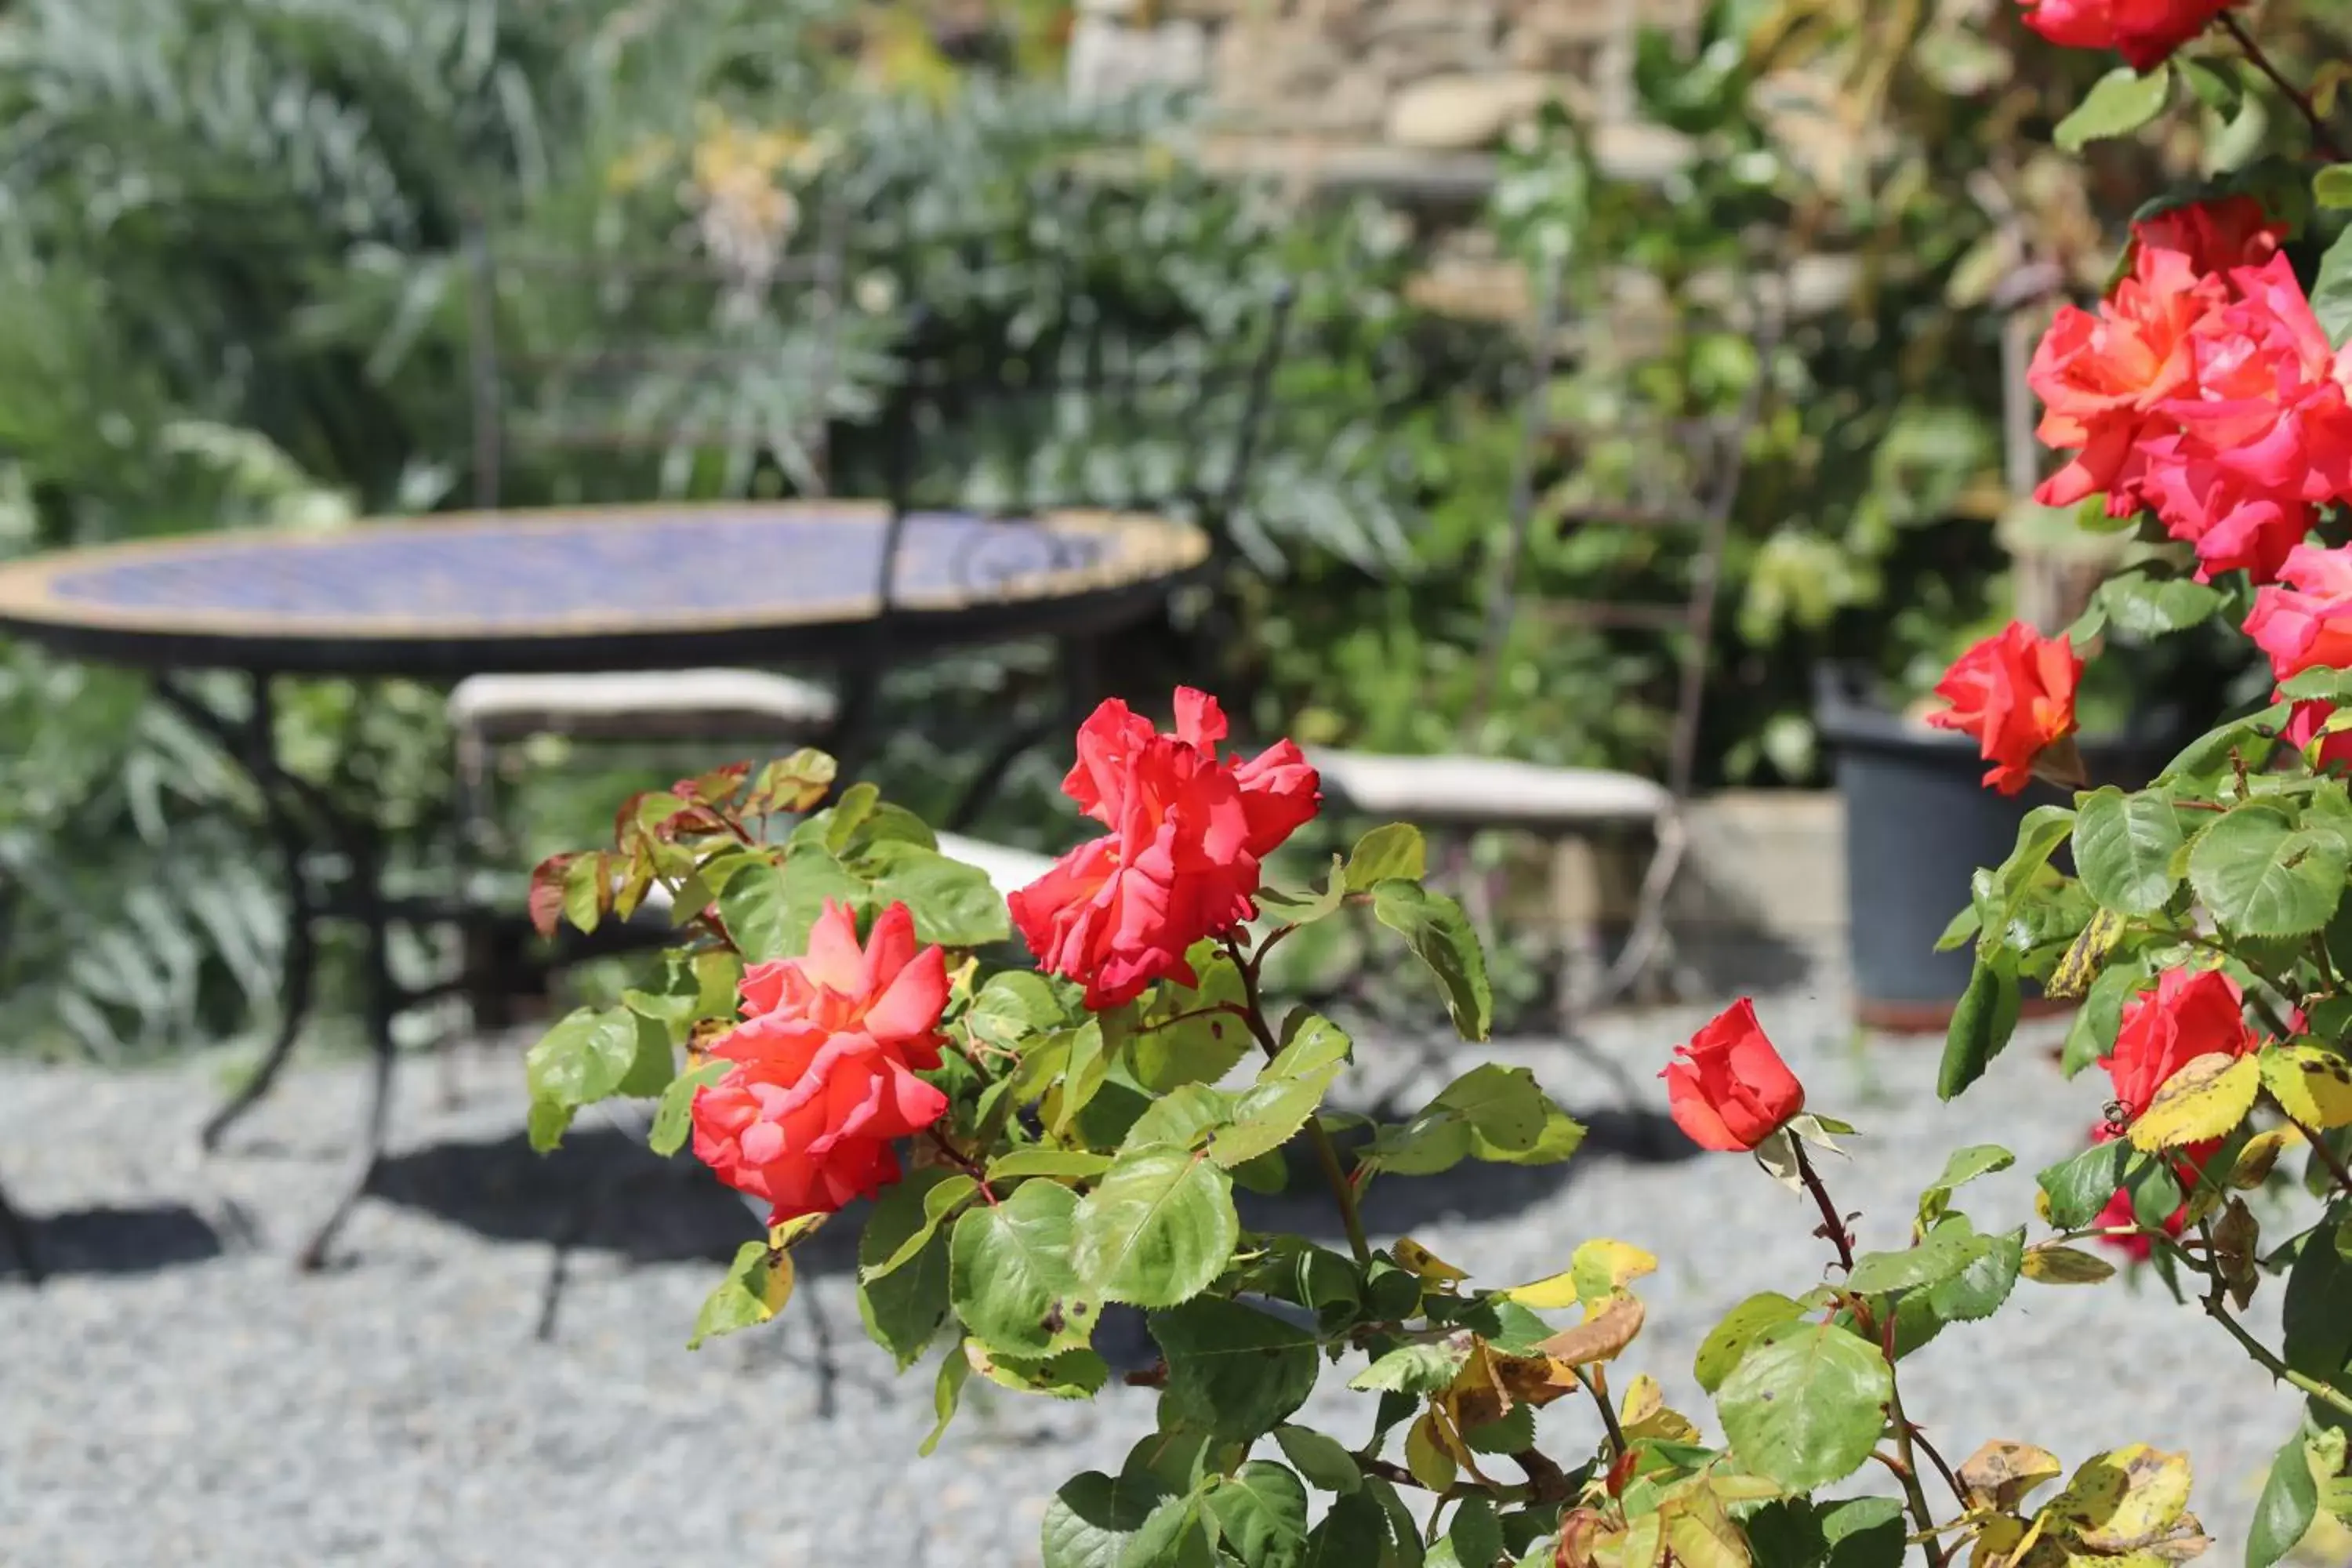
(1044, 1134)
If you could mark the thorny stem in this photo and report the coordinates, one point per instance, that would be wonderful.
(1832, 1223)
(964, 1162)
(1608, 1415)
(1907, 1472)
(2321, 136)
(2327, 1156)
(1326, 1153)
(2216, 1303)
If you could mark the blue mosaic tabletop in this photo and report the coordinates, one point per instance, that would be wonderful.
(589, 571)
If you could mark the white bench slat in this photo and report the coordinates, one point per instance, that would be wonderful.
(630, 703)
(1486, 791)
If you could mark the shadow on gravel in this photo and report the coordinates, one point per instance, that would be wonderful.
(601, 1190)
(116, 1241)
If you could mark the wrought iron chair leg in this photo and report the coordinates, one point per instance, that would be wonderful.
(20, 1239)
(301, 970)
(1650, 913)
(382, 1001)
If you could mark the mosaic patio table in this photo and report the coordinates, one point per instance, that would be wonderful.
(594, 589)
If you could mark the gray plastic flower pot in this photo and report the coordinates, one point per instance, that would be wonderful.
(1918, 821)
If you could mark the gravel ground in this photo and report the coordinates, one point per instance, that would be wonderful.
(176, 1393)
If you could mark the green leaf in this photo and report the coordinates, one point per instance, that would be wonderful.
(2097, 1021)
(1010, 1278)
(591, 1056)
(1965, 1166)
(954, 904)
(1797, 1533)
(2262, 877)
(2079, 1187)
(1093, 1518)
(947, 1393)
(1475, 1533)
(1961, 931)
(1087, 1066)
(1514, 1432)
(1395, 852)
(941, 1199)
(756, 908)
(2332, 186)
(1441, 936)
(1982, 1023)
(1325, 1461)
(2124, 849)
(755, 1290)
(1013, 1006)
(1182, 1119)
(2119, 103)
(1806, 1405)
(1977, 1291)
(2316, 1315)
(674, 1117)
(1203, 1049)
(1725, 1343)
(2215, 88)
(1177, 1534)
(904, 1309)
(1071, 1374)
(2331, 290)
(1080, 1164)
(1236, 1371)
(2290, 1503)
(1943, 1253)
(1492, 1112)
(1260, 1512)
(1351, 1535)
(1158, 1231)
(2149, 606)
(1417, 1368)
(1288, 1091)
(2251, 739)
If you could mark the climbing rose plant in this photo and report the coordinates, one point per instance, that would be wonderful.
(1062, 1100)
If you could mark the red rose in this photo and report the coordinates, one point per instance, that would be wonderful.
(2188, 1014)
(1728, 1089)
(2215, 235)
(2307, 625)
(2119, 1212)
(2015, 693)
(2145, 32)
(2105, 378)
(825, 1061)
(2268, 395)
(2303, 726)
(1188, 832)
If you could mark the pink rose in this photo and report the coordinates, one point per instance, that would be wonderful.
(825, 1061)
(2307, 623)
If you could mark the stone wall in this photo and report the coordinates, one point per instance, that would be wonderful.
(1416, 76)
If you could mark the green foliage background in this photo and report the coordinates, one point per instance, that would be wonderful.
(230, 255)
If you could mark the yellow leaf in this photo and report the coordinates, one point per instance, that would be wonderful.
(2072, 979)
(2312, 1086)
(1546, 1294)
(2055, 1264)
(1600, 1268)
(1997, 1539)
(780, 1237)
(2209, 1096)
(2001, 1475)
(1644, 1414)
(2261, 1152)
(1418, 1259)
(1426, 1457)
(2124, 1500)
(1703, 1535)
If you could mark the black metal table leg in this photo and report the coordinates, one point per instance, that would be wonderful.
(294, 993)
(20, 1239)
(383, 1005)
(1080, 690)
